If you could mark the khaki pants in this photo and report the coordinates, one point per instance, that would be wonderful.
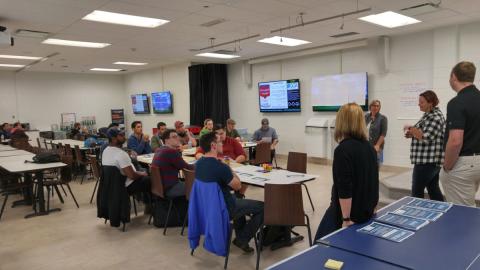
(461, 183)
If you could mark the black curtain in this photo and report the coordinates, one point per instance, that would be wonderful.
(208, 93)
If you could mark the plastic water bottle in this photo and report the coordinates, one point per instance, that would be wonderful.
(189, 143)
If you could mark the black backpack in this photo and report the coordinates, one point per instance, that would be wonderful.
(46, 157)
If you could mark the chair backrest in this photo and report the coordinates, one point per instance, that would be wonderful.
(45, 142)
(297, 162)
(263, 153)
(283, 205)
(38, 143)
(95, 167)
(68, 150)
(156, 180)
(66, 172)
(189, 179)
(78, 154)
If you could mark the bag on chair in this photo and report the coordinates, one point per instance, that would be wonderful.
(177, 215)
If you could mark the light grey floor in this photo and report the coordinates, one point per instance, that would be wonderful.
(76, 239)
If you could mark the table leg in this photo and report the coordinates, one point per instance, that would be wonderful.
(27, 193)
(41, 199)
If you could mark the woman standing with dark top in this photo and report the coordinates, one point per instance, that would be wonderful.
(355, 174)
(426, 149)
(377, 126)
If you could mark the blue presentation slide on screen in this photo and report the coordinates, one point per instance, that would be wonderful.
(140, 103)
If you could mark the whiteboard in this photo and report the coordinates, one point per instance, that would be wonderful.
(332, 91)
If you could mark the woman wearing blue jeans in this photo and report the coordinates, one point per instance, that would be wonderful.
(426, 149)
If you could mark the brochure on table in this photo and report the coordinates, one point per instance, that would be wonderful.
(405, 222)
(386, 232)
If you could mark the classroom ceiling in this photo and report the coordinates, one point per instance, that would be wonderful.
(172, 42)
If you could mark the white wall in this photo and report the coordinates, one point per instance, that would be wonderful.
(425, 57)
(39, 97)
(173, 78)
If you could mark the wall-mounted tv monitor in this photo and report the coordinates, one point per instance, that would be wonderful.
(140, 104)
(162, 102)
(330, 92)
(279, 96)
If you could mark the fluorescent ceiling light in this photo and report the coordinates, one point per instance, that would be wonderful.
(284, 41)
(130, 63)
(74, 43)
(124, 19)
(106, 69)
(11, 65)
(389, 19)
(218, 55)
(20, 57)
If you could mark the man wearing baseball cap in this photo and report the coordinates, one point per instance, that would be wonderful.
(114, 155)
(186, 137)
(266, 134)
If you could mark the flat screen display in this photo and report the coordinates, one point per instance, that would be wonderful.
(330, 92)
(162, 102)
(279, 96)
(140, 104)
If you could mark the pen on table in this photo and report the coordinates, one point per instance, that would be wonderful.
(295, 175)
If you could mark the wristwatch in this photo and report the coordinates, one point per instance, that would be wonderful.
(346, 219)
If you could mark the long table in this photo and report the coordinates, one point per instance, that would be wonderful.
(16, 164)
(451, 242)
(6, 148)
(14, 153)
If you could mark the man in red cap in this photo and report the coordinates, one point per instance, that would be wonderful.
(186, 137)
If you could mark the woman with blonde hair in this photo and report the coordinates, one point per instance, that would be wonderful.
(355, 173)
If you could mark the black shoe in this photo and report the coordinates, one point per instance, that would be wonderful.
(239, 195)
(148, 209)
(243, 246)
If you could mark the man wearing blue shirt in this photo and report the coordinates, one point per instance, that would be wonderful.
(139, 142)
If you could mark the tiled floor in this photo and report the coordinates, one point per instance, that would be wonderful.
(76, 239)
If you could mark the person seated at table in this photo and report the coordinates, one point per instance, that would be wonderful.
(210, 169)
(139, 142)
(355, 173)
(5, 131)
(75, 130)
(266, 134)
(157, 139)
(18, 132)
(186, 137)
(231, 148)
(168, 159)
(207, 127)
(114, 155)
(231, 131)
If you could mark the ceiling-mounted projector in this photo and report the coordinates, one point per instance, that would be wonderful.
(6, 39)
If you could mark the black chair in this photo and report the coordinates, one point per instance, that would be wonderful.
(189, 179)
(11, 184)
(159, 194)
(65, 177)
(96, 174)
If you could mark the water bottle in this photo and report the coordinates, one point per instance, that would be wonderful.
(189, 143)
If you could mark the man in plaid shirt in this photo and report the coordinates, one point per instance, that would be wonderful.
(426, 149)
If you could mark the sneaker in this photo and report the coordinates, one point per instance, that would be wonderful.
(243, 246)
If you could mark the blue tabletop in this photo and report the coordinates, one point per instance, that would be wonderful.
(315, 258)
(451, 242)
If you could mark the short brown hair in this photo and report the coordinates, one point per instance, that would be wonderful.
(430, 97)
(350, 123)
(464, 71)
(375, 101)
(230, 121)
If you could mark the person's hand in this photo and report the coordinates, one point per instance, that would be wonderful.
(415, 132)
(408, 134)
(347, 224)
(446, 169)
(377, 148)
(146, 137)
(272, 147)
(143, 173)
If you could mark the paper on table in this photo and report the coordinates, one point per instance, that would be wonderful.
(415, 212)
(386, 232)
(409, 223)
(432, 205)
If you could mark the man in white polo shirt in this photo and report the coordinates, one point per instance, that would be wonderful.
(114, 155)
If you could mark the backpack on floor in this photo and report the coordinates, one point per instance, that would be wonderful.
(177, 215)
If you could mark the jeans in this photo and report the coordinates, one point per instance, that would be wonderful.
(331, 222)
(244, 230)
(426, 176)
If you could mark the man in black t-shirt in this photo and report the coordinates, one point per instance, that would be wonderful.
(210, 169)
(460, 176)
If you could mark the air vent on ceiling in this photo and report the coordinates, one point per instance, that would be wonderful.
(344, 34)
(420, 9)
(225, 52)
(212, 23)
(31, 33)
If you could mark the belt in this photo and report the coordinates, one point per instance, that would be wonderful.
(470, 155)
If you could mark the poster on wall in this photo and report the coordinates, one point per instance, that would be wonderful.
(68, 120)
(118, 117)
(408, 101)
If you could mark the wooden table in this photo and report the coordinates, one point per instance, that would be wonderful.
(16, 164)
